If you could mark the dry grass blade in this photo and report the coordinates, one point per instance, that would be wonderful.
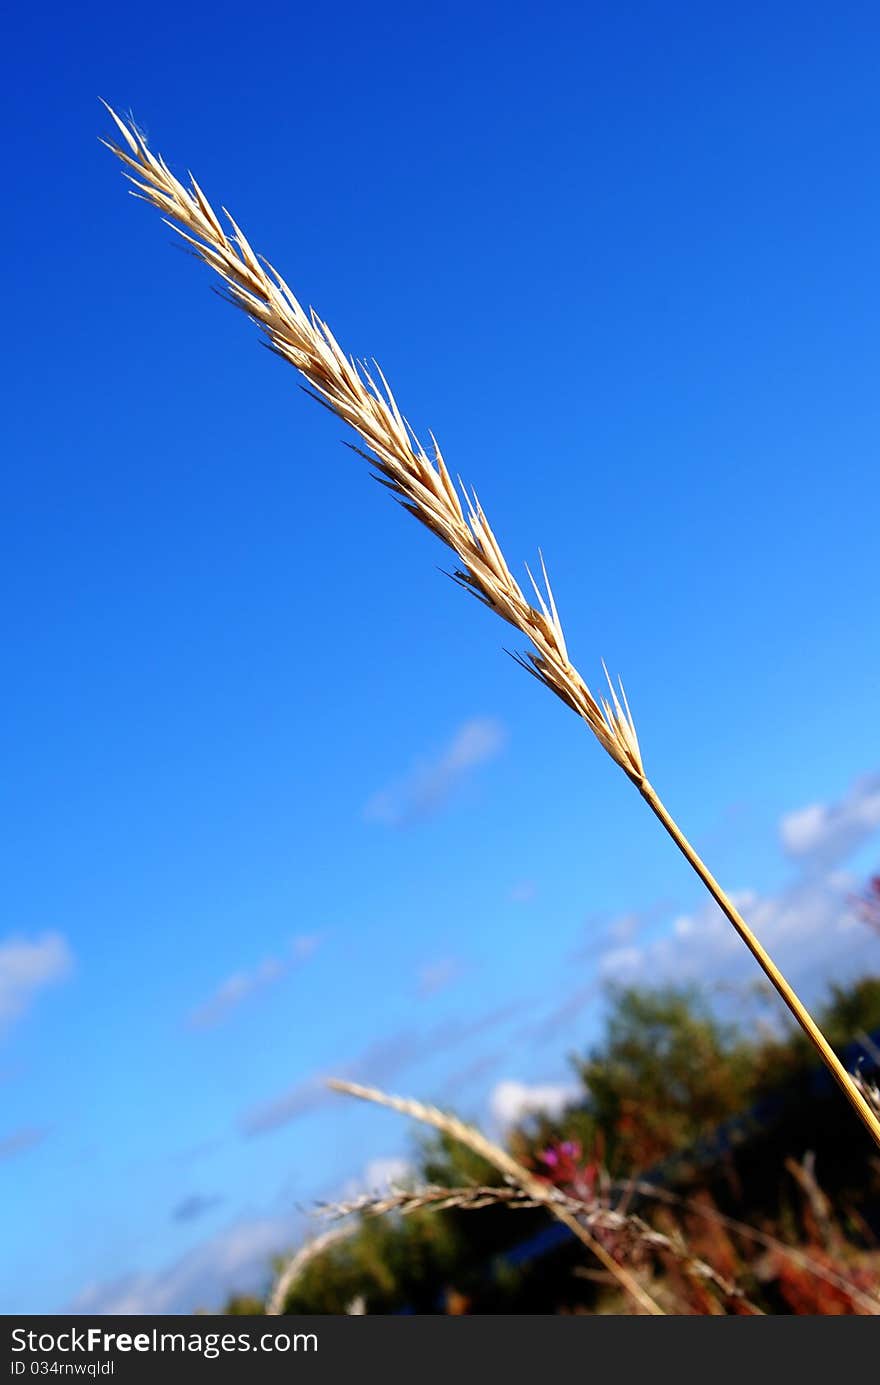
(421, 483)
(424, 488)
(303, 1258)
(438, 1198)
(597, 1217)
(432, 1197)
(508, 1166)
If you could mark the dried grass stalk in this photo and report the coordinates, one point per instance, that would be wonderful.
(505, 1164)
(438, 1198)
(628, 1228)
(424, 487)
(300, 1262)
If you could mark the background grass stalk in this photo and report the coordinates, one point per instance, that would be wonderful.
(506, 1164)
(294, 1268)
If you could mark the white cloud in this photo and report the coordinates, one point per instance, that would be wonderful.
(390, 1171)
(377, 1179)
(430, 782)
(619, 962)
(808, 926)
(808, 929)
(242, 984)
(27, 967)
(802, 829)
(821, 835)
(511, 1101)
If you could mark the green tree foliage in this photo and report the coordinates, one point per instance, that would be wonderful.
(666, 1071)
(244, 1306)
(852, 1010)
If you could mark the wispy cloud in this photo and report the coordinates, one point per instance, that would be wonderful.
(458, 1082)
(523, 892)
(194, 1206)
(431, 781)
(557, 1020)
(436, 976)
(379, 1063)
(299, 1100)
(237, 1259)
(823, 835)
(27, 967)
(242, 984)
(19, 1141)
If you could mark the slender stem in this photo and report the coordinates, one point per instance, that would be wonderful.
(796, 1006)
(626, 1280)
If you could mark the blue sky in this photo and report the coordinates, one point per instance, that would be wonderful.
(274, 803)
